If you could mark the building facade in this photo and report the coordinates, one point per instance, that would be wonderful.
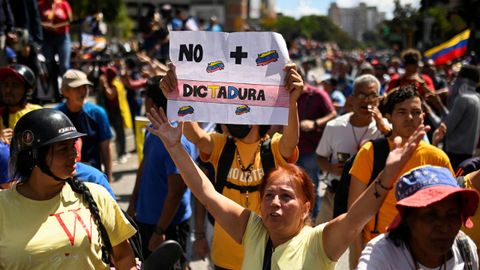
(357, 20)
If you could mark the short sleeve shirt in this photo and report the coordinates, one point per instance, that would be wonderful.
(58, 233)
(362, 169)
(303, 251)
(93, 121)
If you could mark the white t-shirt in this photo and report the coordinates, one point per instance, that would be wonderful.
(340, 136)
(382, 254)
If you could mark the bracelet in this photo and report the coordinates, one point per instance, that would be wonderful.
(388, 133)
(159, 230)
(379, 182)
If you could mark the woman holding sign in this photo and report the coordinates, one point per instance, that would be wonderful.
(241, 157)
(279, 238)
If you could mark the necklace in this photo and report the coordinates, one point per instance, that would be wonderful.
(248, 169)
(358, 141)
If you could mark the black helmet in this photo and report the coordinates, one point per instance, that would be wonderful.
(42, 127)
(22, 72)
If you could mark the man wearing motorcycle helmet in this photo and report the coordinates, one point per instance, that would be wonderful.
(16, 85)
(48, 224)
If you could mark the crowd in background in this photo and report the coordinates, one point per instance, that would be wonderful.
(349, 101)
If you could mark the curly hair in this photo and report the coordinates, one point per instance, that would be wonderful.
(399, 95)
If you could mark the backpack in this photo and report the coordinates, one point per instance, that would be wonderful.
(225, 162)
(465, 250)
(381, 150)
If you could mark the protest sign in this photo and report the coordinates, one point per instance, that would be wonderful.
(234, 78)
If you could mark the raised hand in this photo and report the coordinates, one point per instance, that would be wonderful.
(169, 82)
(400, 154)
(161, 128)
(293, 81)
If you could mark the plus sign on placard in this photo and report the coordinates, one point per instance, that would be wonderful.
(234, 78)
(238, 55)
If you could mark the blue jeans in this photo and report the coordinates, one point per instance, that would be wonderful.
(309, 163)
(57, 44)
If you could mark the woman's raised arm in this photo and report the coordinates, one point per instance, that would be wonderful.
(341, 231)
(230, 215)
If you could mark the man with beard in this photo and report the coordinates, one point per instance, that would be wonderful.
(16, 85)
(403, 109)
(246, 171)
(88, 118)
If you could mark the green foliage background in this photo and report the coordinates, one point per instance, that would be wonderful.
(320, 28)
(114, 13)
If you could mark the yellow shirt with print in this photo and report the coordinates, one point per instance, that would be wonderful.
(14, 117)
(362, 169)
(58, 233)
(225, 252)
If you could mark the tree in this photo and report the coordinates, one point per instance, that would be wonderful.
(114, 12)
(320, 28)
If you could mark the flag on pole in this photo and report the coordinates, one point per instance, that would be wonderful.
(449, 50)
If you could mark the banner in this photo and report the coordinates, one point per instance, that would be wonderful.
(233, 78)
(449, 50)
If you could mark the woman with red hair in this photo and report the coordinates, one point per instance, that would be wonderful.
(281, 237)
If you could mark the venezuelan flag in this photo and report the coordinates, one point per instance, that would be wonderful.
(449, 50)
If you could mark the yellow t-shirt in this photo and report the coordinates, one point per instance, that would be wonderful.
(304, 251)
(362, 169)
(14, 117)
(123, 103)
(225, 251)
(474, 232)
(59, 233)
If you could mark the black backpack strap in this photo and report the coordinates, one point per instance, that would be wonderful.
(465, 250)
(267, 255)
(135, 240)
(224, 164)
(381, 149)
(5, 116)
(266, 156)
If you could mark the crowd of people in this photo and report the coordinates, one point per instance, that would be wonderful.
(392, 138)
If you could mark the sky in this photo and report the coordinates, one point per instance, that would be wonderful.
(299, 8)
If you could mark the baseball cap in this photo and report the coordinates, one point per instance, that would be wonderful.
(75, 78)
(426, 185)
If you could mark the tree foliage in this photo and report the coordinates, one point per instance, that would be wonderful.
(114, 13)
(320, 28)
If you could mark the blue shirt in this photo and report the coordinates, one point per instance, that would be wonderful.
(86, 173)
(4, 156)
(93, 121)
(157, 166)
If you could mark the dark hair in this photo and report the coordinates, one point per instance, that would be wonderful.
(399, 236)
(469, 72)
(23, 170)
(399, 95)
(411, 56)
(263, 129)
(81, 189)
(154, 92)
(295, 174)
